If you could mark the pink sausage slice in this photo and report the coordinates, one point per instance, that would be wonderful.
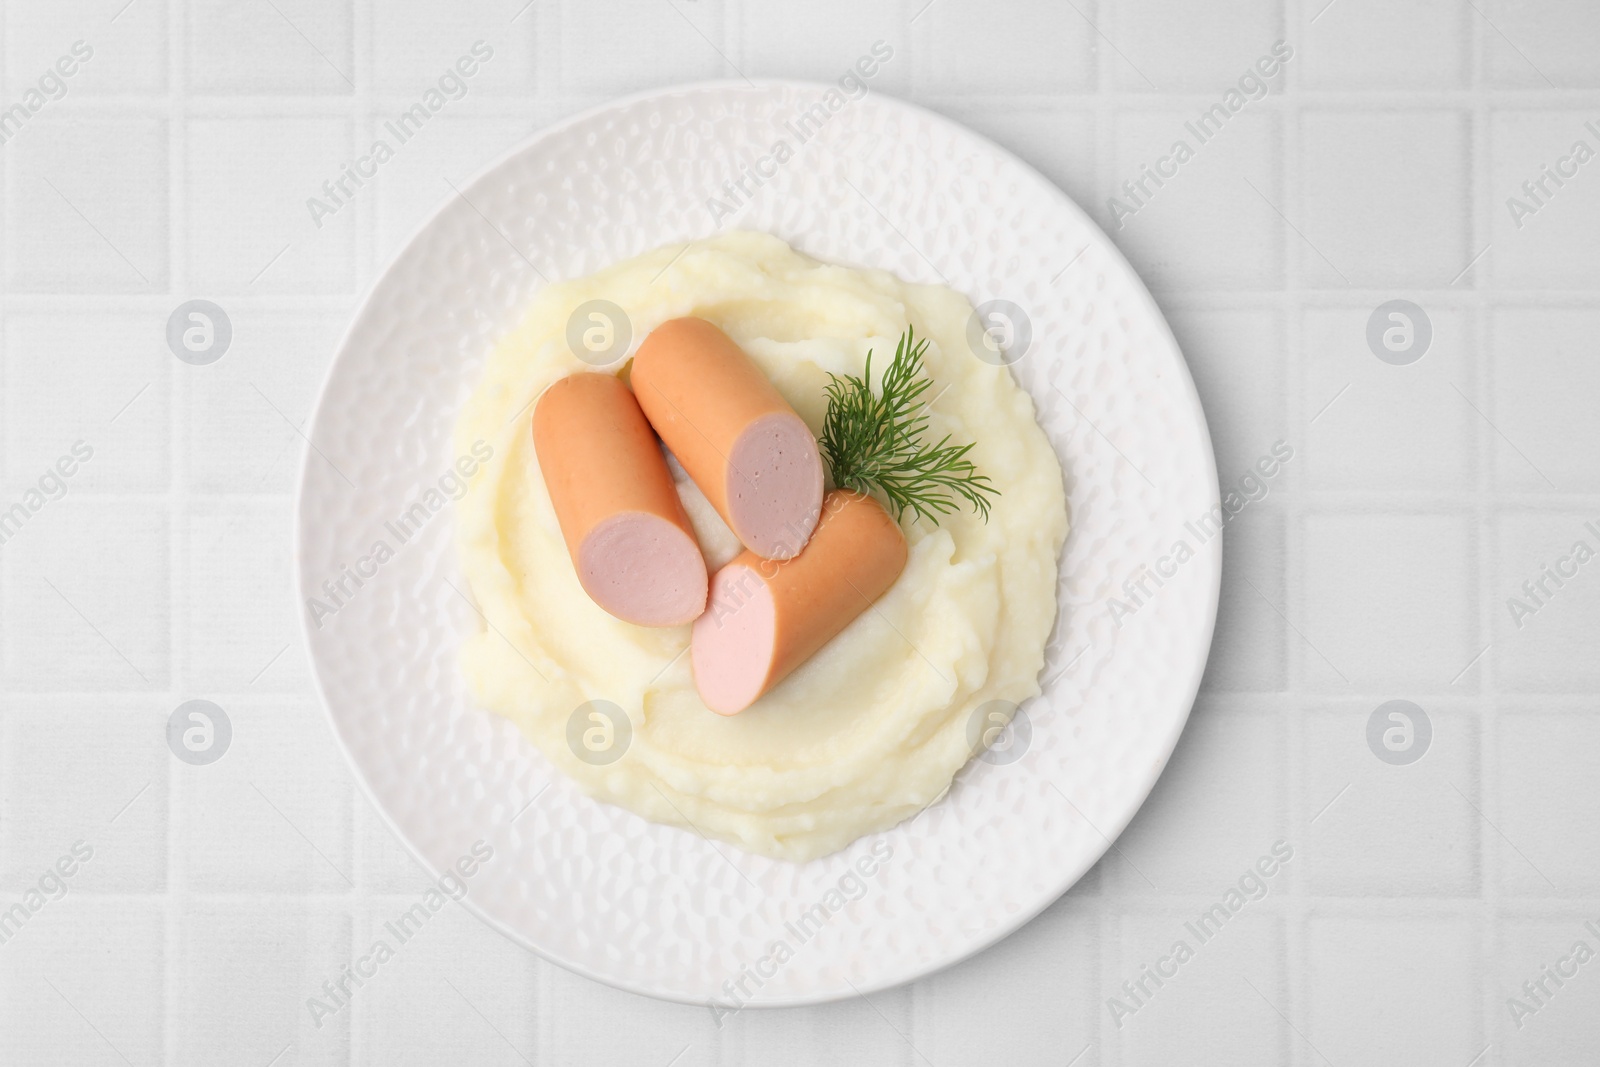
(767, 617)
(741, 442)
(625, 528)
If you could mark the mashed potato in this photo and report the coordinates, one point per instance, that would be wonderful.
(875, 726)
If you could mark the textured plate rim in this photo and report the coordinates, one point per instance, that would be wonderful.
(1190, 687)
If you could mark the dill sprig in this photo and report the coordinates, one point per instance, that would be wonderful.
(875, 441)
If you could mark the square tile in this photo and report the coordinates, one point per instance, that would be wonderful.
(658, 44)
(1384, 605)
(454, 147)
(1425, 44)
(1037, 990)
(1237, 359)
(1530, 45)
(71, 35)
(1248, 647)
(1208, 994)
(1371, 425)
(79, 772)
(1203, 227)
(249, 226)
(293, 47)
(1382, 830)
(241, 631)
(243, 973)
(1395, 989)
(1543, 623)
(83, 983)
(1216, 807)
(273, 814)
(483, 987)
(69, 230)
(1537, 225)
(245, 413)
(1546, 765)
(413, 49)
(1384, 198)
(97, 382)
(1544, 383)
(1037, 47)
(78, 617)
(1560, 1022)
(1194, 48)
(824, 42)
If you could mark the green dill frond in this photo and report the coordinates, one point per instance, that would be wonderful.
(874, 442)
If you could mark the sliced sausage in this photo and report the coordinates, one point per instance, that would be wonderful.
(625, 528)
(767, 617)
(741, 442)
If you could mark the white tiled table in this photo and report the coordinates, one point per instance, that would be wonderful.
(1419, 499)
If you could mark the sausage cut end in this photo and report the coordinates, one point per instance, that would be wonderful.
(774, 485)
(643, 569)
(734, 641)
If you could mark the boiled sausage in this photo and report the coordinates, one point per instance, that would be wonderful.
(766, 617)
(625, 528)
(741, 442)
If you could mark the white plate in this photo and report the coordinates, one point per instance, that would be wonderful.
(658, 910)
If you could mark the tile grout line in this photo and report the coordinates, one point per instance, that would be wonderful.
(178, 487)
(1292, 322)
(1485, 680)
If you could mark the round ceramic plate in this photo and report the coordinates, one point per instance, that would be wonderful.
(867, 182)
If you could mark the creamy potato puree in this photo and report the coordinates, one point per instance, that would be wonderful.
(875, 726)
